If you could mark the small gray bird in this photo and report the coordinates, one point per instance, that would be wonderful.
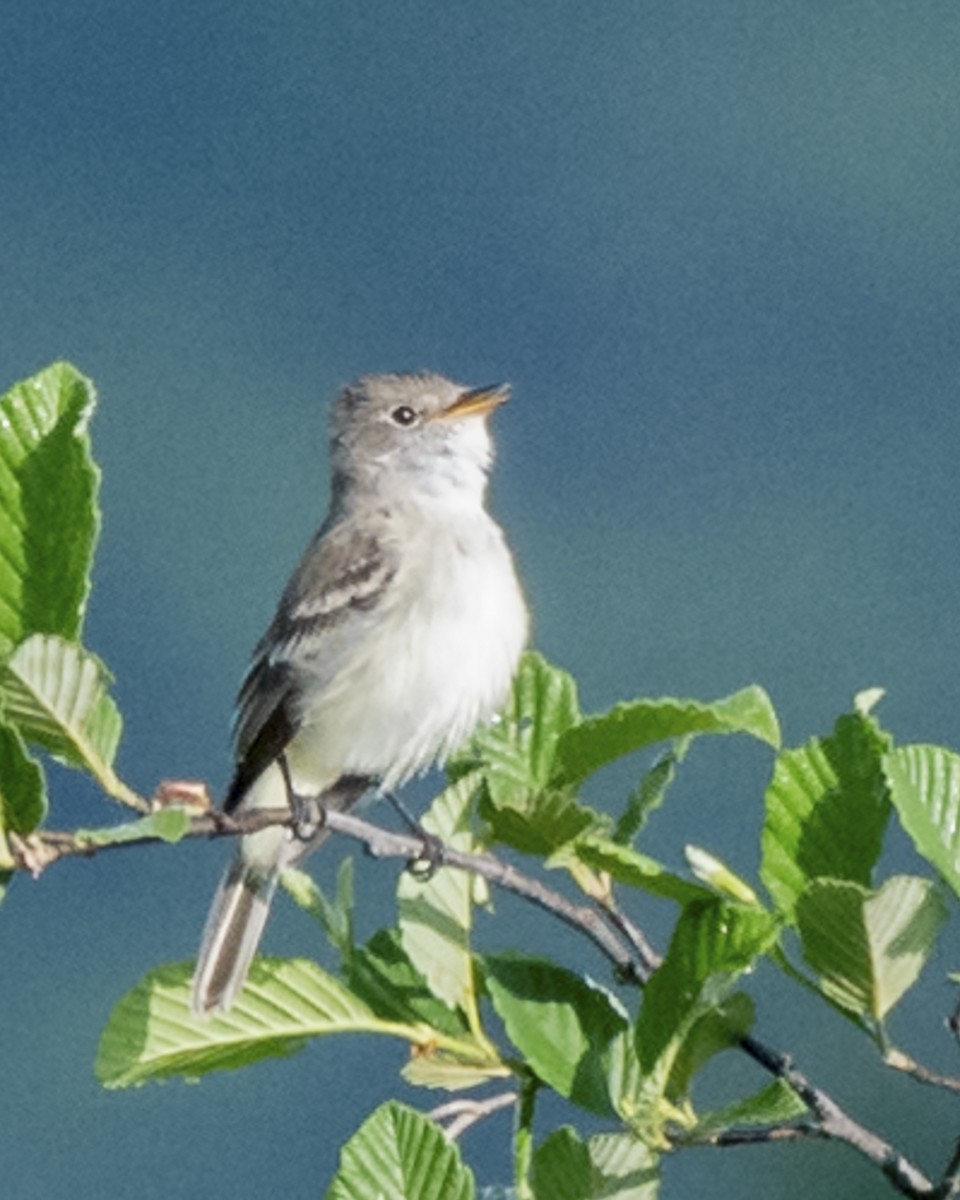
(397, 634)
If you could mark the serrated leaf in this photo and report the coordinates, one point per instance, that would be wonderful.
(925, 789)
(540, 823)
(399, 1154)
(776, 1104)
(650, 793)
(629, 866)
(869, 947)
(827, 808)
(596, 741)
(713, 943)
(153, 1034)
(23, 796)
(562, 1168)
(436, 915)
(562, 1024)
(628, 1169)
(382, 975)
(48, 504)
(517, 753)
(56, 694)
(613, 1166)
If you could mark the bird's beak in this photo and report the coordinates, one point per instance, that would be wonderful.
(477, 402)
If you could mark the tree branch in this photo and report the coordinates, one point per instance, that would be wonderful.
(620, 940)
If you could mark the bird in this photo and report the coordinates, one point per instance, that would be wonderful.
(397, 635)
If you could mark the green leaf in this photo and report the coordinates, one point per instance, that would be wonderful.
(515, 757)
(23, 797)
(335, 917)
(713, 943)
(152, 1033)
(562, 1024)
(436, 915)
(562, 1169)
(628, 1169)
(541, 823)
(826, 811)
(452, 1074)
(869, 947)
(718, 1029)
(596, 741)
(56, 694)
(168, 824)
(382, 975)
(48, 504)
(613, 1166)
(776, 1104)
(629, 866)
(399, 1154)
(925, 789)
(650, 793)
(517, 753)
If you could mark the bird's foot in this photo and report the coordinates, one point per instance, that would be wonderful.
(432, 849)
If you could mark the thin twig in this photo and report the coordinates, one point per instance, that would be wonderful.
(839, 1125)
(648, 958)
(466, 1113)
(909, 1066)
(761, 1136)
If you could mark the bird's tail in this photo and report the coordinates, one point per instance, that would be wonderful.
(242, 901)
(232, 934)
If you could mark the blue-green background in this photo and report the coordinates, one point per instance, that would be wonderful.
(715, 248)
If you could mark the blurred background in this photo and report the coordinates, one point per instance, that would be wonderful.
(715, 249)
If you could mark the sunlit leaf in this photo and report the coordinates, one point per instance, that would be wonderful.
(869, 947)
(56, 694)
(48, 504)
(925, 789)
(826, 810)
(718, 1029)
(540, 822)
(629, 866)
(436, 914)
(399, 1154)
(152, 1033)
(382, 975)
(562, 1024)
(628, 1169)
(613, 1166)
(517, 753)
(437, 1070)
(596, 741)
(168, 825)
(712, 945)
(776, 1104)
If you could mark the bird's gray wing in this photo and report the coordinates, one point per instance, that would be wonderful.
(328, 601)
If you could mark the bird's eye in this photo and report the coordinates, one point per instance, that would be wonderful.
(404, 415)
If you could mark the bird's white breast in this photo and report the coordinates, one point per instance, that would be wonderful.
(436, 659)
